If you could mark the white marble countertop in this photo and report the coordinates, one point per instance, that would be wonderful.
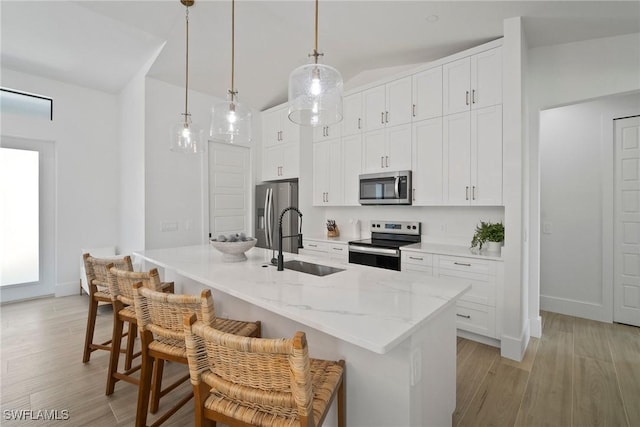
(447, 249)
(369, 307)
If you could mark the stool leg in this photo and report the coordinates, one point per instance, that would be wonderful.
(91, 325)
(144, 387)
(132, 332)
(156, 385)
(116, 343)
(200, 394)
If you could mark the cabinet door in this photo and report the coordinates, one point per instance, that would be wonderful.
(320, 173)
(271, 128)
(335, 194)
(398, 148)
(457, 143)
(373, 151)
(427, 162)
(456, 79)
(352, 110)
(486, 156)
(290, 161)
(398, 102)
(272, 163)
(486, 78)
(373, 104)
(427, 94)
(352, 168)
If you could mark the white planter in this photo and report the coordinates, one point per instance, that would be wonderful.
(493, 247)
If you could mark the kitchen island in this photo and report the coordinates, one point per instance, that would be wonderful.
(396, 331)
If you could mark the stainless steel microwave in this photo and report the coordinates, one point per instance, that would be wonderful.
(385, 188)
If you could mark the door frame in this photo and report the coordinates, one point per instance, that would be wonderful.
(48, 213)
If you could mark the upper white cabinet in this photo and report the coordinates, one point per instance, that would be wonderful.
(472, 143)
(352, 114)
(387, 105)
(277, 128)
(472, 82)
(281, 146)
(427, 94)
(326, 132)
(427, 162)
(327, 173)
(387, 149)
(352, 167)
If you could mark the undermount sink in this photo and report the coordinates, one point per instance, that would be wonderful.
(311, 268)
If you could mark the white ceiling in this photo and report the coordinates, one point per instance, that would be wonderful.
(102, 44)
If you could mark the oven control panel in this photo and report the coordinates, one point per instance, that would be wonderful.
(396, 227)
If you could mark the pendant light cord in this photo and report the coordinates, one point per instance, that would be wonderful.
(186, 84)
(315, 53)
(233, 57)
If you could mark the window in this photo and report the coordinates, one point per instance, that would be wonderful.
(23, 103)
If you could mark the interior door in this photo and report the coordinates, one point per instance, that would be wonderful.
(230, 189)
(626, 256)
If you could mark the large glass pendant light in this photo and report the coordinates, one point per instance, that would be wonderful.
(315, 91)
(185, 136)
(230, 120)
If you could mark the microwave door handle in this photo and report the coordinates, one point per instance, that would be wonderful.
(397, 187)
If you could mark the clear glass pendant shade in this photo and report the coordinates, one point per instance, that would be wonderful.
(230, 122)
(315, 95)
(187, 137)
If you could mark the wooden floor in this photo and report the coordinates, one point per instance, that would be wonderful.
(580, 373)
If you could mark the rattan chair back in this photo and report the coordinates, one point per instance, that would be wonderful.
(96, 269)
(121, 283)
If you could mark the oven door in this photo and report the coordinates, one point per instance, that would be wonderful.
(374, 257)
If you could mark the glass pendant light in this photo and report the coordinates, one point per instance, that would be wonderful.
(230, 120)
(315, 91)
(185, 136)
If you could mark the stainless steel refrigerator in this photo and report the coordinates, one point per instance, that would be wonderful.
(271, 199)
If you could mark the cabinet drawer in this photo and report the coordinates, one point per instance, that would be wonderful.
(315, 246)
(471, 265)
(483, 287)
(427, 271)
(476, 318)
(415, 258)
(339, 252)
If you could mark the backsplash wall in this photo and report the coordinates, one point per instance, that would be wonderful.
(440, 224)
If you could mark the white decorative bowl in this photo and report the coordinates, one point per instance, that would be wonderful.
(234, 251)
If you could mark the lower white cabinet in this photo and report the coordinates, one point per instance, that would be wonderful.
(333, 251)
(478, 310)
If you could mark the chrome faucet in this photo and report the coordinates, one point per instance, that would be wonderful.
(280, 236)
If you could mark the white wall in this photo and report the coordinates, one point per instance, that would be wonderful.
(576, 157)
(561, 75)
(84, 131)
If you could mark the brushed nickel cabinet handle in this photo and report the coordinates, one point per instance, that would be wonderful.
(467, 97)
(462, 263)
(337, 249)
(382, 117)
(466, 192)
(473, 192)
(414, 194)
(387, 160)
(466, 316)
(413, 110)
(381, 161)
(359, 123)
(473, 96)
(417, 258)
(386, 115)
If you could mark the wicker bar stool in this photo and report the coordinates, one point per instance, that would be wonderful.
(160, 318)
(121, 290)
(241, 381)
(96, 270)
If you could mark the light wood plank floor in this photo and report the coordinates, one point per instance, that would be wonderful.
(580, 373)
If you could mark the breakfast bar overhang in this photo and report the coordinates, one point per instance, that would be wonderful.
(395, 330)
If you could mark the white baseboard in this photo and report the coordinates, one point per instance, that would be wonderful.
(514, 348)
(586, 310)
(67, 289)
(535, 326)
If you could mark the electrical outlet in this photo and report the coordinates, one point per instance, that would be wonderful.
(169, 226)
(547, 227)
(443, 227)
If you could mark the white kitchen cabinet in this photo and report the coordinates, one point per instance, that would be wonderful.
(281, 161)
(427, 162)
(417, 262)
(387, 105)
(427, 94)
(328, 184)
(277, 129)
(326, 132)
(387, 149)
(351, 168)
(352, 114)
(329, 250)
(472, 82)
(473, 157)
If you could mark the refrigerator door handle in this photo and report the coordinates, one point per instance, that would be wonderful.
(270, 218)
(267, 225)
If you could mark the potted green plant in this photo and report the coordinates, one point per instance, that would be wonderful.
(493, 233)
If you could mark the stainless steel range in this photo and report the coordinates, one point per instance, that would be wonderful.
(383, 248)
